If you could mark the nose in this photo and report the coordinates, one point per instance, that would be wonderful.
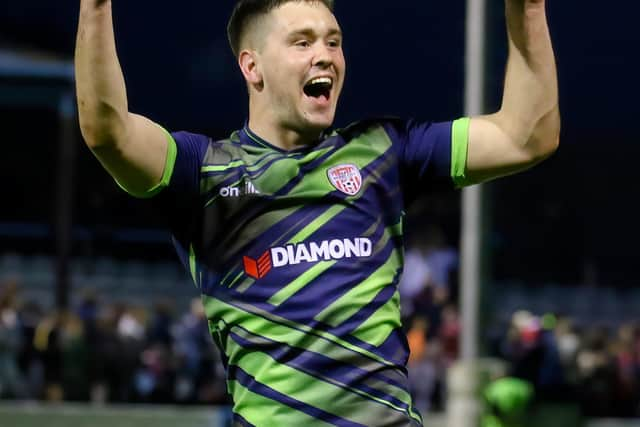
(323, 57)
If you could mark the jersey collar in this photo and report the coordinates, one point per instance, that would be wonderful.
(247, 136)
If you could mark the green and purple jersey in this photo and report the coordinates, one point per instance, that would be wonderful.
(298, 255)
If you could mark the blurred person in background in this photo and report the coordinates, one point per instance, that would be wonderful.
(282, 177)
(568, 344)
(415, 277)
(159, 325)
(193, 348)
(423, 371)
(31, 313)
(47, 342)
(156, 373)
(597, 374)
(154, 378)
(532, 352)
(96, 344)
(637, 364)
(112, 365)
(131, 334)
(624, 351)
(12, 382)
(442, 262)
(59, 339)
(74, 358)
(449, 334)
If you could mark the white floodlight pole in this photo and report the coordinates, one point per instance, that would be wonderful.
(464, 406)
(472, 212)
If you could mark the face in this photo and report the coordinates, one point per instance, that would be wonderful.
(301, 66)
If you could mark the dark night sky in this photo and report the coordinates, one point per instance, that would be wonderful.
(406, 58)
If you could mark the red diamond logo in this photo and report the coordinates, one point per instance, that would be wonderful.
(258, 268)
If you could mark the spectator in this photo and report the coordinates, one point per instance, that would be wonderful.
(596, 374)
(450, 334)
(47, 342)
(415, 277)
(12, 383)
(422, 365)
(623, 349)
(131, 340)
(30, 316)
(442, 261)
(74, 358)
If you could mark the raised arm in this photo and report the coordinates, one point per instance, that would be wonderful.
(132, 148)
(526, 129)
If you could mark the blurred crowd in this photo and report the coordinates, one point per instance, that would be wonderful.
(107, 353)
(115, 352)
(573, 361)
(597, 367)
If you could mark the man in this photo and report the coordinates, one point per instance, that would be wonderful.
(293, 235)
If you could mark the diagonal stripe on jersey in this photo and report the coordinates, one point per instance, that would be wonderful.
(282, 393)
(328, 399)
(256, 402)
(378, 149)
(358, 296)
(334, 213)
(277, 328)
(325, 368)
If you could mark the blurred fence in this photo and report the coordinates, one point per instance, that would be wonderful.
(594, 305)
(137, 281)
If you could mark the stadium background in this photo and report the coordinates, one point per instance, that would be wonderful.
(562, 237)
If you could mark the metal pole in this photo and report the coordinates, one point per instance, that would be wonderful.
(472, 212)
(466, 379)
(64, 196)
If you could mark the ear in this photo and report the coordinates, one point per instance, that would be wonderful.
(248, 61)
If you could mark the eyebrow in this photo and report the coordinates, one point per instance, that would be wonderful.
(310, 32)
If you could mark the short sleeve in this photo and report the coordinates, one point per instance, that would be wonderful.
(190, 151)
(431, 153)
(166, 174)
(178, 200)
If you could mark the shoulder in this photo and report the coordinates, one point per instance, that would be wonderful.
(206, 148)
(184, 137)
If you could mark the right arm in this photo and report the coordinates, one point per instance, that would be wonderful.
(132, 148)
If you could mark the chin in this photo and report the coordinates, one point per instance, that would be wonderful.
(320, 123)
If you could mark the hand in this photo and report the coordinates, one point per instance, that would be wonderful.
(527, 2)
(526, 5)
(521, 14)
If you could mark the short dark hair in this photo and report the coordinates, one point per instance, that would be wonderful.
(245, 11)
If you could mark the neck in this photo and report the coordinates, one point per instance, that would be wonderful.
(267, 127)
(282, 137)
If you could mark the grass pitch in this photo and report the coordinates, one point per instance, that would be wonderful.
(38, 415)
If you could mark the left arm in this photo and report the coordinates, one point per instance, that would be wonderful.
(526, 129)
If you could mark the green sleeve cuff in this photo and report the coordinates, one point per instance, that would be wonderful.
(172, 153)
(459, 150)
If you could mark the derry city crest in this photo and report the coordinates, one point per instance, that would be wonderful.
(346, 178)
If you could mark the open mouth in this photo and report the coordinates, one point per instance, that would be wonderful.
(319, 88)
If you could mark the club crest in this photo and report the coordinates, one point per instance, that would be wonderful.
(346, 178)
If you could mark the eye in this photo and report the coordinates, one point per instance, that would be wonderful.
(334, 43)
(303, 43)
